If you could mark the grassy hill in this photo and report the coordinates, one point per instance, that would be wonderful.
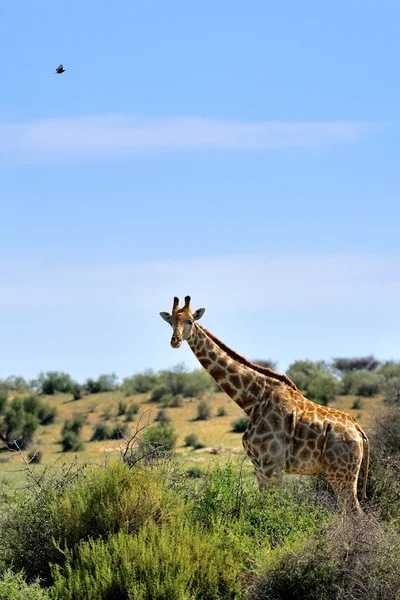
(215, 433)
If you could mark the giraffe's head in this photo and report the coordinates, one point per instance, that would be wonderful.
(181, 321)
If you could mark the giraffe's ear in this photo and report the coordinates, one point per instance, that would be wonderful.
(198, 313)
(166, 316)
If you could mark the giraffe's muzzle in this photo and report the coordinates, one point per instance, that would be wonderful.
(176, 341)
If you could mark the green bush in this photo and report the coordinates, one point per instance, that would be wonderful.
(71, 442)
(75, 424)
(391, 391)
(42, 410)
(14, 587)
(122, 407)
(131, 411)
(204, 411)
(101, 432)
(191, 439)
(389, 369)
(162, 438)
(240, 425)
(190, 385)
(221, 412)
(17, 426)
(54, 381)
(77, 390)
(35, 456)
(174, 560)
(357, 404)
(352, 558)
(272, 518)
(110, 500)
(104, 383)
(302, 372)
(172, 401)
(118, 432)
(3, 401)
(322, 388)
(162, 416)
(159, 392)
(194, 472)
(384, 475)
(26, 531)
(141, 383)
(362, 383)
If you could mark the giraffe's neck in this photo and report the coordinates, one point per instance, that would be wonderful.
(243, 384)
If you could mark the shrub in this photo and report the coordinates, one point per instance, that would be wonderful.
(391, 391)
(302, 372)
(75, 424)
(162, 416)
(104, 383)
(159, 439)
(107, 413)
(141, 383)
(159, 392)
(240, 425)
(14, 384)
(174, 401)
(357, 404)
(108, 501)
(131, 411)
(196, 383)
(71, 442)
(3, 401)
(322, 388)
(384, 477)
(176, 560)
(118, 432)
(221, 412)
(54, 381)
(122, 407)
(77, 390)
(194, 472)
(26, 530)
(101, 432)
(273, 517)
(352, 558)
(42, 410)
(204, 411)
(267, 363)
(14, 587)
(362, 383)
(389, 369)
(35, 456)
(191, 439)
(17, 427)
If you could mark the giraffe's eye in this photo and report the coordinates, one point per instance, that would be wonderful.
(190, 322)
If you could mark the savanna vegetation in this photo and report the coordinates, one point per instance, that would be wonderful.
(140, 489)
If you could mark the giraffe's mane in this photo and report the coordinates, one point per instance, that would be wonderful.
(247, 363)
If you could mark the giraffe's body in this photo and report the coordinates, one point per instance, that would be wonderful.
(286, 432)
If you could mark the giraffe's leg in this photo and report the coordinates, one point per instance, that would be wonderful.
(346, 494)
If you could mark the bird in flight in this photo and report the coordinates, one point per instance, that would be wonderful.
(60, 69)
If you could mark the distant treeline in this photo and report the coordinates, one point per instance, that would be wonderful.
(318, 380)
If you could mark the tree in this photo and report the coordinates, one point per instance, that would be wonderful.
(268, 363)
(347, 365)
(54, 381)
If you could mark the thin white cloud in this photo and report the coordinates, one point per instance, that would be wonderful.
(95, 137)
(232, 283)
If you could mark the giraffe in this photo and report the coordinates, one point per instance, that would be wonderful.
(286, 431)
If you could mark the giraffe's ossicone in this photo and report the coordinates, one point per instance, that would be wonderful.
(286, 431)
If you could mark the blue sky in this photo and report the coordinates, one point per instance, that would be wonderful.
(245, 154)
